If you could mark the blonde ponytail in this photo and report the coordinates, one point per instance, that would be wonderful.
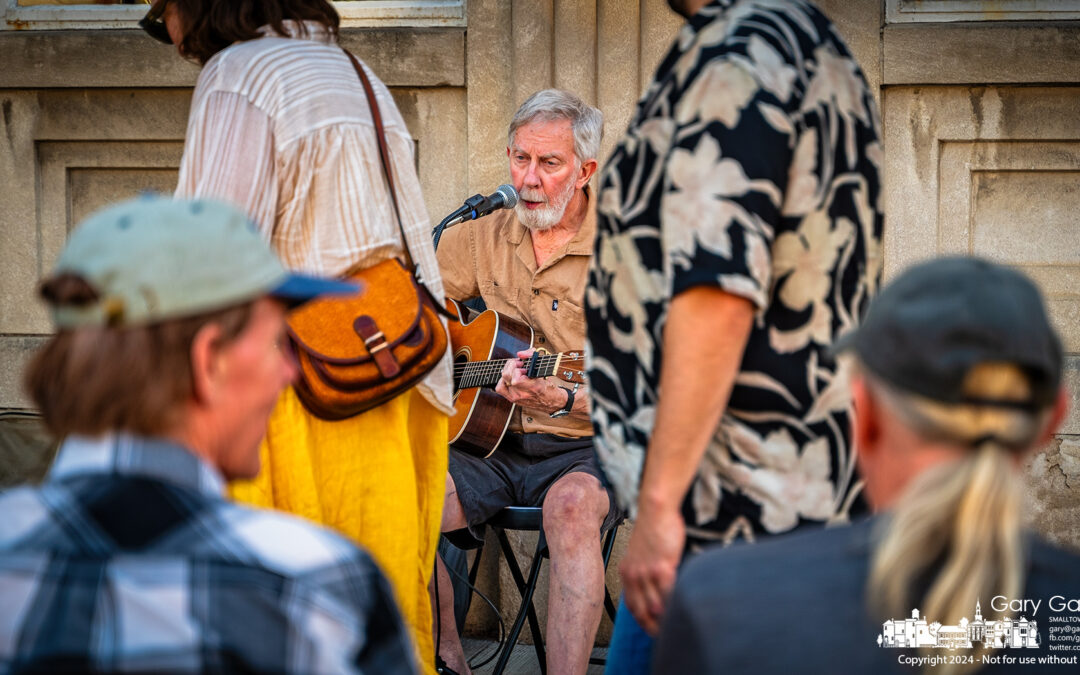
(956, 530)
(959, 529)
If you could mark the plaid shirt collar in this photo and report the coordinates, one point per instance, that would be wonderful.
(127, 455)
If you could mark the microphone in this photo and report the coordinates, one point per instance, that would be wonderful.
(477, 206)
(504, 197)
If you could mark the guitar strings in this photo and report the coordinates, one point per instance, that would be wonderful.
(499, 368)
(546, 357)
(495, 372)
(500, 363)
(546, 360)
(476, 373)
(496, 365)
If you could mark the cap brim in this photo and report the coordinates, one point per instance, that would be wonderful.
(843, 343)
(298, 288)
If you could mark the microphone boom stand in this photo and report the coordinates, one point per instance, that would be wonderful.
(466, 212)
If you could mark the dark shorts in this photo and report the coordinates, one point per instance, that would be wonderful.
(519, 473)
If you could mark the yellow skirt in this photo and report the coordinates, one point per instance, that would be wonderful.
(379, 478)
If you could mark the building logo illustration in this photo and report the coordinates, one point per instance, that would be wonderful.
(916, 632)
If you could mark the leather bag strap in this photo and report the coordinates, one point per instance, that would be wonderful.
(384, 154)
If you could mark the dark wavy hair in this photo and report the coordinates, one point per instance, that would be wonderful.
(213, 25)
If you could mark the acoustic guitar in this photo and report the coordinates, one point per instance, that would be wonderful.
(481, 346)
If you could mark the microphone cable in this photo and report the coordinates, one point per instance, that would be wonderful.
(500, 642)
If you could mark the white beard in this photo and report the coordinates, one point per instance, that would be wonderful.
(545, 217)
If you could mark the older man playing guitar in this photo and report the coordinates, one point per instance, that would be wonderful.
(530, 264)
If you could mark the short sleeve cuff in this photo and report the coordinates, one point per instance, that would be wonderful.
(745, 273)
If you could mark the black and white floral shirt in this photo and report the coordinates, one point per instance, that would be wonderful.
(753, 164)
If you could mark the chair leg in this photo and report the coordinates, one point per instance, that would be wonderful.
(475, 569)
(526, 589)
(522, 585)
(609, 605)
(534, 623)
(609, 543)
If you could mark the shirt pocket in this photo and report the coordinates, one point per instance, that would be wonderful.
(569, 318)
(499, 295)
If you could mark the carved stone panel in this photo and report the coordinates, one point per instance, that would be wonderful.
(924, 11)
(990, 171)
(69, 152)
(605, 52)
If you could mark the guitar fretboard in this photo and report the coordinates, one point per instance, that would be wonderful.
(486, 373)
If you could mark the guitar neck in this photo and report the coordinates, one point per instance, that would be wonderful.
(566, 366)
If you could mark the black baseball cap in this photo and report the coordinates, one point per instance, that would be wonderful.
(928, 328)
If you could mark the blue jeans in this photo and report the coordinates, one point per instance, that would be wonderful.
(630, 651)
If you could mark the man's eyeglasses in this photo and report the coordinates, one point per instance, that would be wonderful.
(154, 26)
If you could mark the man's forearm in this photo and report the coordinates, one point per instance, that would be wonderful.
(706, 332)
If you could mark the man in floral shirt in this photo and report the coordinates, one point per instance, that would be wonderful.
(738, 235)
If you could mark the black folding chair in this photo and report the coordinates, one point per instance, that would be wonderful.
(529, 519)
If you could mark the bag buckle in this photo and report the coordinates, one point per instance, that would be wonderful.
(376, 344)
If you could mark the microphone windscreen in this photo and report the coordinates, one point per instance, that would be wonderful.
(510, 195)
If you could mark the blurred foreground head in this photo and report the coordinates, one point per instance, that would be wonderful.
(170, 323)
(957, 376)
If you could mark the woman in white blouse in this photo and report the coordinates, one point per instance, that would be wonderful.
(280, 126)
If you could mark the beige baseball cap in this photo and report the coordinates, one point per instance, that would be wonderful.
(155, 258)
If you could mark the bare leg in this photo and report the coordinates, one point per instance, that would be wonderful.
(449, 646)
(574, 511)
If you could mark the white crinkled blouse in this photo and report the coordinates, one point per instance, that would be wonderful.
(281, 127)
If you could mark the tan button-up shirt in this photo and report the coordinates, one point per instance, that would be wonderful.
(492, 258)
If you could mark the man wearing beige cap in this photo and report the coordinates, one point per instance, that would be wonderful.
(169, 356)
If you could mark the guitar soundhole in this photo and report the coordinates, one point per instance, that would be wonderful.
(461, 357)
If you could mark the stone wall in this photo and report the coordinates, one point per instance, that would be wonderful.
(82, 128)
(982, 148)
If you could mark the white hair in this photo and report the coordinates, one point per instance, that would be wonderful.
(546, 105)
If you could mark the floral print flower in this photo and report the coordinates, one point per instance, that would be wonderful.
(768, 66)
(720, 92)
(809, 255)
(788, 482)
(804, 189)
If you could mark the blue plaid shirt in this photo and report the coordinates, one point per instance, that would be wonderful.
(130, 558)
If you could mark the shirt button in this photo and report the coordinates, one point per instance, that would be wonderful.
(536, 291)
(528, 419)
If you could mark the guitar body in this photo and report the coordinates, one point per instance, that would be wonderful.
(481, 416)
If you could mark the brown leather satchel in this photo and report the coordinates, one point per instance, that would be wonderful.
(359, 351)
